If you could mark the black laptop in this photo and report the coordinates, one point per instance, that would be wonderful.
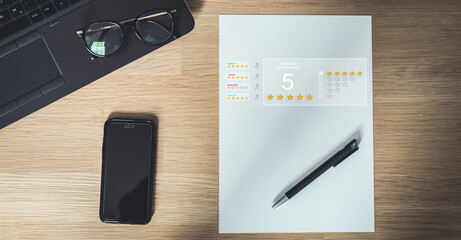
(50, 48)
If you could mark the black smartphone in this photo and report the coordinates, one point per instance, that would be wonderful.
(127, 171)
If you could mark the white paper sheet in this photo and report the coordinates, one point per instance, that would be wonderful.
(293, 90)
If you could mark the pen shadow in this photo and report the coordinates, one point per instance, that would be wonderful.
(356, 135)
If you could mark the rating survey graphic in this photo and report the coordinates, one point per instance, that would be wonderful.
(315, 82)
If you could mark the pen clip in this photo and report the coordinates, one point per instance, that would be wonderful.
(348, 150)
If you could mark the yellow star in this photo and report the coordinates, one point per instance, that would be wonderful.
(309, 97)
(280, 97)
(300, 97)
(290, 97)
(344, 73)
(270, 97)
(336, 73)
(352, 73)
(360, 73)
(329, 73)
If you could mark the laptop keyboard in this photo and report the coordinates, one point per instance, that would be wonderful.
(16, 15)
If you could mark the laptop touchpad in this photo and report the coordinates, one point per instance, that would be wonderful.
(26, 69)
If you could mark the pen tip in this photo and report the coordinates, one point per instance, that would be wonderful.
(279, 202)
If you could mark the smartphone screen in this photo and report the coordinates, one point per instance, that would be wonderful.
(127, 171)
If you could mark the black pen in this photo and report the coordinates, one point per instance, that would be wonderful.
(348, 150)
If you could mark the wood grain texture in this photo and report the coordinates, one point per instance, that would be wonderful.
(50, 161)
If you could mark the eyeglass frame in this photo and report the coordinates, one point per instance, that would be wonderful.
(81, 32)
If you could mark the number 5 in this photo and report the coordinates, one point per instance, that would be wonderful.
(286, 79)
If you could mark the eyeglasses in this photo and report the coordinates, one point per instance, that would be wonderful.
(105, 38)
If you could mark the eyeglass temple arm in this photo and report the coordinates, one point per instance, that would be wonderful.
(149, 16)
(80, 32)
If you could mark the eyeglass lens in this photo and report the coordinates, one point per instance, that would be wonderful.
(154, 27)
(103, 38)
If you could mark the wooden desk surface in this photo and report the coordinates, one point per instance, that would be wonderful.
(50, 161)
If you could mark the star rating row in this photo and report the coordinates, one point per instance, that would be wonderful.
(345, 73)
(237, 66)
(290, 97)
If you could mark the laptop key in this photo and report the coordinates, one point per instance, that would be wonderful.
(5, 3)
(35, 15)
(5, 16)
(28, 38)
(7, 108)
(48, 9)
(61, 4)
(17, 10)
(29, 97)
(29, 4)
(14, 26)
(53, 85)
(8, 48)
(41, 2)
